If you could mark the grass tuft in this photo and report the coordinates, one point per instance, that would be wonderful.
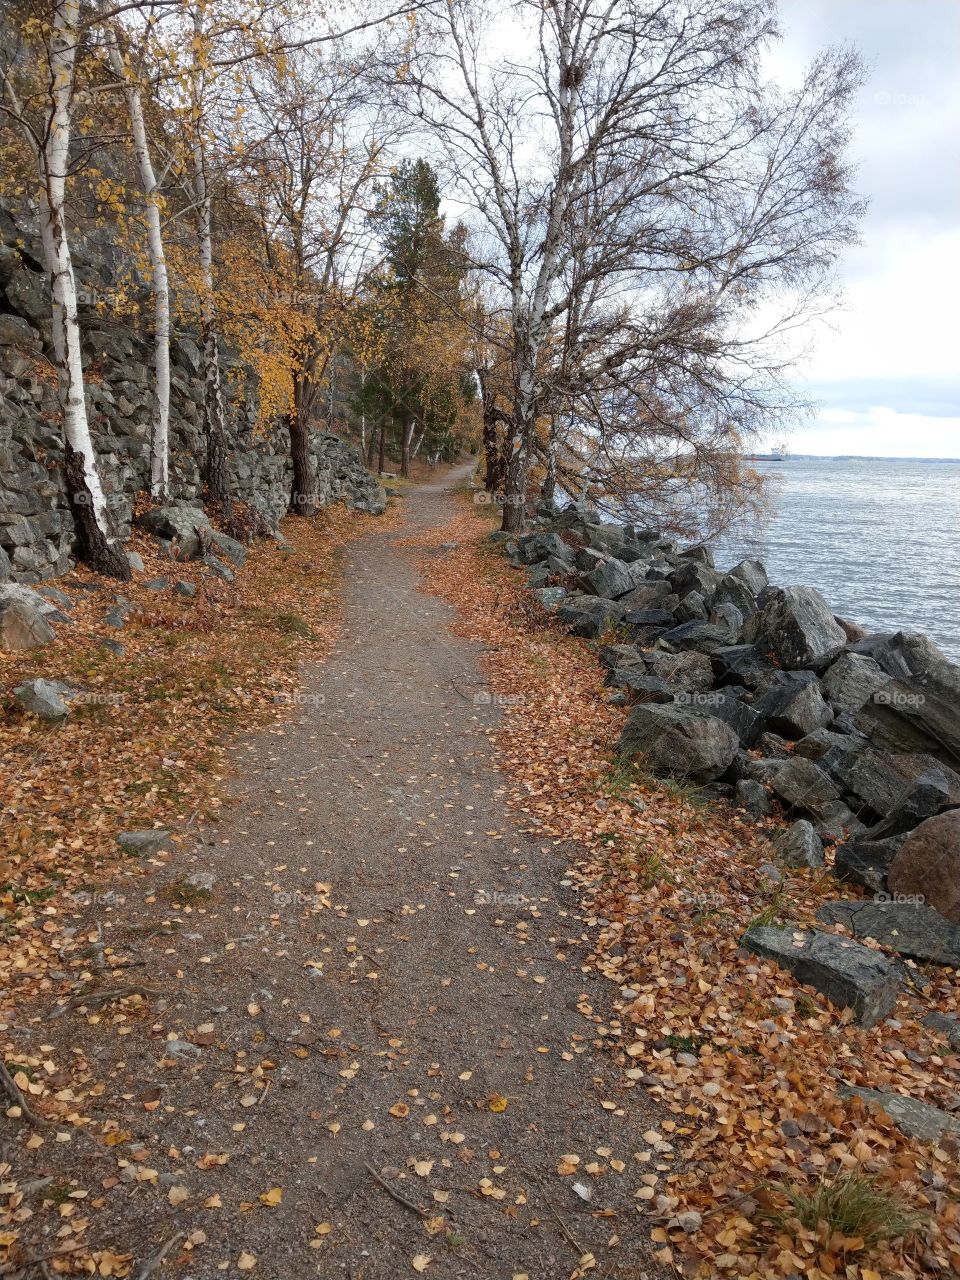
(850, 1203)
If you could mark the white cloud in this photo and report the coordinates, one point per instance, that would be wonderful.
(879, 432)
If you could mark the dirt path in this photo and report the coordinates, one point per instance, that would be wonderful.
(383, 980)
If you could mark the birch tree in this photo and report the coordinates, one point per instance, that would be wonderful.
(45, 118)
(644, 201)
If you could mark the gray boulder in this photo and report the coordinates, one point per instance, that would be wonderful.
(852, 680)
(790, 702)
(815, 745)
(799, 845)
(849, 974)
(736, 713)
(48, 699)
(234, 551)
(902, 787)
(733, 591)
(22, 626)
(643, 687)
(550, 597)
(909, 928)
(753, 797)
(677, 742)
(691, 608)
(946, 1025)
(143, 843)
(542, 546)
(919, 710)
(620, 655)
(796, 627)
(703, 637)
(740, 664)
(610, 580)
(589, 615)
(179, 524)
(916, 1119)
(804, 786)
(866, 862)
(728, 617)
(752, 574)
(686, 672)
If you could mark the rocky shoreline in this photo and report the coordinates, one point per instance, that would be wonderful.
(759, 696)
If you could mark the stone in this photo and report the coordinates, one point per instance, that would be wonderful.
(740, 664)
(909, 928)
(701, 553)
(703, 637)
(677, 742)
(946, 1025)
(736, 713)
(135, 561)
(185, 589)
(143, 843)
(59, 599)
(589, 615)
(796, 628)
(694, 576)
(48, 699)
(799, 845)
(542, 546)
(610, 580)
(686, 672)
(157, 584)
(116, 618)
(928, 864)
(179, 525)
(643, 687)
(550, 597)
(802, 785)
(919, 710)
(790, 702)
(920, 1120)
(218, 568)
(734, 592)
(852, 680)
(647, 595)
(849, 974)
(903, 788)
(866, 862)
(752, 574)
(815, 745)
(728, 617)
(234, 551)
(753, 797)
(620, 655)
(23, 626)
(691, 608)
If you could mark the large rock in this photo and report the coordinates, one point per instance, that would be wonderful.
(589, 615)
(181, 525)
(795, 626)
(48, 699)
(677, 742)
(852, 680)
(683, 672)
(928, 864)
(736, 713)
(791, 704)
(919, 710)
(903, 788)
(916, 1119)
(542, 546)
(22, 626)
(804, 786)
(866, 862)
(909, 928)
(611, 579)
(143, 844)
(847, 973)
(752, 574)
(740, 664)
(703, 637)
(799, 845)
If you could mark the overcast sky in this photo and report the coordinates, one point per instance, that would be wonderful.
(887, 372)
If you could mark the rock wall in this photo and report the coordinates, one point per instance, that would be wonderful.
(36, 528)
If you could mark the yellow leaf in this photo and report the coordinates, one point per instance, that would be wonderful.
(323, 1228)
(273, 1196)
(246, 1261)
(400, 1110)
(177, 1195)
(421, 1261)
(497, 1103)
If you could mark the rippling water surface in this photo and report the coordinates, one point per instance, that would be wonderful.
(881, 540)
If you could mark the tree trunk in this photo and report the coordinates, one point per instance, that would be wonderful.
(160, 427)
(371, 445)
(383, 448)
(406, 435)
(85, 494)
(303, 496)
(420, 439)
(549, 487)
(215, 475)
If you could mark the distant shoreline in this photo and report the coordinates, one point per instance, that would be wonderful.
(842, 457)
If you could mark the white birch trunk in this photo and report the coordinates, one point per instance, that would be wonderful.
(54, 159)
(160, 433)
